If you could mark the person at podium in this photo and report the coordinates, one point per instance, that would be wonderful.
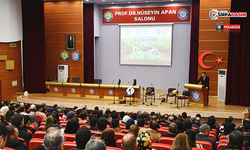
(204, 79)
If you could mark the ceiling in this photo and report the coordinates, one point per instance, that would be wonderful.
(131, 1)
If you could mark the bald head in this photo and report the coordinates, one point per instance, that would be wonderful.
(154, 117)
(171, 119)
(173, 128)
(129, 142)
(52, 128)
(134, 129)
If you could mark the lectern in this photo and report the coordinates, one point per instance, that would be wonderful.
(198, 95)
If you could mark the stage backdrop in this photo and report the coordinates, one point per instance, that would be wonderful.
(107, 65)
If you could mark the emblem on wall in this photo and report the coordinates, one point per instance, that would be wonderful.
(196, 96)
(111, 92)
(108, 16)
(56, 89)
(201, 62)
(75, 56)
(183, 14)
(64, 55)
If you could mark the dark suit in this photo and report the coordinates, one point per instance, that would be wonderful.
(205, 83)
(203, 137)
(16, 144)
(24, 134)
(168, 135)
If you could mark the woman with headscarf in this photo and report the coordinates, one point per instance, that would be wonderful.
(129, 123)
(144, 141)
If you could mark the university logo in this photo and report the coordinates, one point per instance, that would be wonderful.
(183, 14)
(64, 55)
(75, 56)
(56, 89)
(196, 96)
(73, 90)
(91, 91)
(111, 92)
(108, 16)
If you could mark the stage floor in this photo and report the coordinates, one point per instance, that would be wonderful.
(216, 107)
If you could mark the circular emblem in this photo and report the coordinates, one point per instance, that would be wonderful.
(56, 89)
(75, 56)
(64, 55)
(196, 96)
(213, 14)
(108, 16)
(91, 91)
(183, 14)
(111, 92)
(73, 90)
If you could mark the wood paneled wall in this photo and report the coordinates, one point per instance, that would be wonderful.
(7, 90)
(212, 40)
(61, 18)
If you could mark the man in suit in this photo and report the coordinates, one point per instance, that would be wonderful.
(203, 135)
(173, 129)
(204, 79)
(13, 141)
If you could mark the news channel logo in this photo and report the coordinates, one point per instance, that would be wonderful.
(219, 26)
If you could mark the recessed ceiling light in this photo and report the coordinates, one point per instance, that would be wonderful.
(87, 0)
(172, 0)
(146, 1)
(129, 2)
(112, 3)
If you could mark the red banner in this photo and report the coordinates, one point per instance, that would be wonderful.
(146, 15)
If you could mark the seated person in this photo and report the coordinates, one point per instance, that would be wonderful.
(194, 123)
(235, 140)
(95, 144)
(171, 119)
(181, 142)
(3, 135)
(93, 123)
(129, 142)
(134, 129)
(83, 117)
(18, 121)
(72, 126)
(203, 135)
(116, 126)
(152, 129)
(101, 125)
(53, 140)
(83, 135)
(39, 110)
(173, 129)
(144, 141)
(13, 141)
(27, 123)
(108, 136)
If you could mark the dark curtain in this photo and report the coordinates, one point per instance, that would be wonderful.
(194, 44)
(88, 30)
(34, 62)
(238, 81)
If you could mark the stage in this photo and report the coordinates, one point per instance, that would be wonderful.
(216, 108)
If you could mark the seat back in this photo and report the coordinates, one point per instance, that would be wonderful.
(163, 131)
(69, 137)
(32, 126)
(41, 127)
(60, 114)
(119, 143)
(39, 117)
(152, 88)
(39, 134)
(119, 135)
(212, 136)
(35, 143)
(112, 148)
(22, 140)
(171, 90)
(206, 145)
(223, 137)
(69, 145)
(166, 140)
(186, 93)
(221, 145)
(8, 148)
(161, 146)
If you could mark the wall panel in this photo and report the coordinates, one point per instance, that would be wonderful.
(212, 40)
(61, 18)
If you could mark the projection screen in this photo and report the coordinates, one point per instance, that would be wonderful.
(146, 44)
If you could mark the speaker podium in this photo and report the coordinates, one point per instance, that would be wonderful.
(198, 95)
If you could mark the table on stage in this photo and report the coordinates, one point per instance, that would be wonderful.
(86, 90)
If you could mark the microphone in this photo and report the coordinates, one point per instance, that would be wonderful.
(128, 83)
(151, 84)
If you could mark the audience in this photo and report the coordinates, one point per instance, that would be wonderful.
(27, 123)
(129, 123)
(95, 144)
(101, 126)
(39, 110)
(8, 115)
(182, 141)
(173, 129)
(108, 136)
(93, 123)
(191, 134)
(194, 122)
(116, 126)
(129, 142)
(18, 121)
(134, 129)
(203, 135)
(83, 135)
(3, 135)
(152, 129)
(144, 141)
(12, 140)
(235, 140)
(53, 140)
(72, 126)
(48, 123)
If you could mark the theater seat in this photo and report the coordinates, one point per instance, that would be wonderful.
(223, 141)
(223, 137)
(32, 126)
(42, 123)
(122, 127)
(221, 145)
(60, 114)
(39, 134)
(163, 131)
(35, 143)
(166, 140)
(22, 140)
(8, 148)
(69, 145)
(39, 117)
(40, 127)
(63, 124)
(194, 148)
(69, 137)
(112, 148)
(205, 144)
(212, 136)
(62, 119)
(119, 143)
(161, 146)
(81, 123)
(119, 135)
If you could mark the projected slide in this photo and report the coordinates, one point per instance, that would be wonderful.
(146, 45)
